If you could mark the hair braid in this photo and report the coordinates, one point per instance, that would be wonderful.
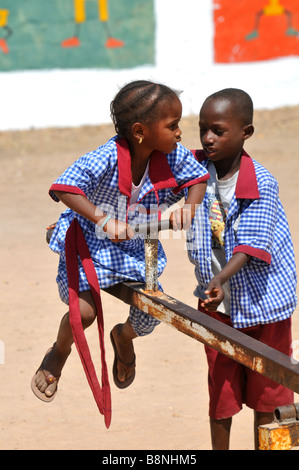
(137, 101)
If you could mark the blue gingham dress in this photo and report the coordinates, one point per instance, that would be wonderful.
(264, 290)
(104, 177)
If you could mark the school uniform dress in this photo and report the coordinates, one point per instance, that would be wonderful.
(264, 290)
(88, 260)
(104, 177)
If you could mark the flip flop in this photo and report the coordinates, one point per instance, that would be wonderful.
(49, 379)
(129, 365)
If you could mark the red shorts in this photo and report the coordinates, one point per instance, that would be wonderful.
(231, 384)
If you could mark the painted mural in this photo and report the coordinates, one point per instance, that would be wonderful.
(47, 34)
(255, 30)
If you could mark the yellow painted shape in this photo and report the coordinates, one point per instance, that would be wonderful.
(79, 7)
(274, 8)
(3, 18)
(103, 10)
(80, 13)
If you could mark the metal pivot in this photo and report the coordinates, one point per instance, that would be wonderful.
(283, 433)
(151, 264)
(150, 231)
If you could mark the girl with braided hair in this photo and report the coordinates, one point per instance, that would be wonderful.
(131, 179)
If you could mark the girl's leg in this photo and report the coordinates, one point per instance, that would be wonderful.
(138, 324)
(54, 361)
(123, 335)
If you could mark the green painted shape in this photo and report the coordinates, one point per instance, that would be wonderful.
(39, 26)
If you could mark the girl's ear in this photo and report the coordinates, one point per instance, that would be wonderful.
(138, 131)
(248, 131)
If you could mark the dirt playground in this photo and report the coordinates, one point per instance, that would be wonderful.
(166, 408)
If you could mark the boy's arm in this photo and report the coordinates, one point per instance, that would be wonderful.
(214, 290)
(195, 196)
(182, 218)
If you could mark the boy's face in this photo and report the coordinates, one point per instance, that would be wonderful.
(222, 132)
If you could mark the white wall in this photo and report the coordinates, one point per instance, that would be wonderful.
(184, 60)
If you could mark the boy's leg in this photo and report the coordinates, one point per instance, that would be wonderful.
(262, 394)
(226, 385)
(220, 433)
(220, 430)
(260, 418)
(55, 359)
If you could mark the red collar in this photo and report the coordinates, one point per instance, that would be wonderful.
(246, 187)
(160, 173)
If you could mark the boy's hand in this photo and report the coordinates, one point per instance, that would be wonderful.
(214, 290)
(181, 219)
(215, 295)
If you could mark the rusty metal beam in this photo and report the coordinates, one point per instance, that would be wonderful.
(229, 341)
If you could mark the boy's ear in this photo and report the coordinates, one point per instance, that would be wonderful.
(248, 131)
(138, 131)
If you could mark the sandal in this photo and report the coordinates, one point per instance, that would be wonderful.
(128, 366)
(50, 379)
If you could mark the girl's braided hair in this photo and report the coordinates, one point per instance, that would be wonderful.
(138, 102)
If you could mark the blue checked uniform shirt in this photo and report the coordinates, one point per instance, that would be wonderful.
(104, 177)
(264, 290)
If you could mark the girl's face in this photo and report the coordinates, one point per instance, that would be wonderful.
(164, 134)
(222, 132)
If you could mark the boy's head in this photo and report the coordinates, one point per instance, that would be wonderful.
(225, 122)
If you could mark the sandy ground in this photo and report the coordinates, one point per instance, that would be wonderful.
(166, 408)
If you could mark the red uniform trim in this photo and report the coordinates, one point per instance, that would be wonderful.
(256, 252)
(75, 244)
(246, 187)
(66, 188)
(191, 183)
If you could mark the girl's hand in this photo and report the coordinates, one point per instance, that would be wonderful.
(215, 295)
(118, 231)
(51, 226)
(181, 219)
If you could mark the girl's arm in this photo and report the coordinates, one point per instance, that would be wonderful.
(115, 229)
(81, 205)
(182, 218)
(214, 290)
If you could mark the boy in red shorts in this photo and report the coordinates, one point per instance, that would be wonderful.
(243, 254)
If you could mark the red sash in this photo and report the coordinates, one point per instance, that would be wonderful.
(75, 244)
